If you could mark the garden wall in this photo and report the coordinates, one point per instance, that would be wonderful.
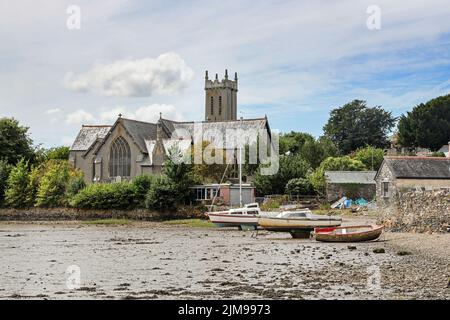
(426, 211)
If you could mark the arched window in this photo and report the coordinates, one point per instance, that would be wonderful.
(120, 159)
(220, 105)
(212, 105)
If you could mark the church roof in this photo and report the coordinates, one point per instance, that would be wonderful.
(140, 131)
(88, 135)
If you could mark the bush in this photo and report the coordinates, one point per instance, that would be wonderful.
(299, 186)
(5, 169)
(17, 186)
(162, 196)
(75, 185)
(52, 187)
(142, 185)
(371, 157)
(106, 196)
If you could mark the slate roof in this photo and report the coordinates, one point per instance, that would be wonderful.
(445, 149)
(419, 167)
(140, 131)
(88, 135)
(358, 177)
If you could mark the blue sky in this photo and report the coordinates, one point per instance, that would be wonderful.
(296, 60)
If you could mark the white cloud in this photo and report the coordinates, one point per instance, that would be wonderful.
(148, 113)
(79, 117)
(166, 74)
(52, 111)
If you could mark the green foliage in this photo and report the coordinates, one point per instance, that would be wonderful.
(317, 178)
(371, 157)
(161, 196)
(206, 171)
(106, 196)
(355, 125)
(58, 153)
(438, 154)
(52, 187)
(142, 184)
(17, 186)
(181, 175)
(5, 169)
(299, 186)
(291, 167)
(15, 142)
(75, 185)
(427, 125)
(293, 142)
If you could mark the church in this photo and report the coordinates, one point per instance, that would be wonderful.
(127, 148)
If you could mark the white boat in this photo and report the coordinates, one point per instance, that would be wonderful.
(243, 218)
(298, 223)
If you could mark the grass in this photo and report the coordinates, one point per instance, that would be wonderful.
(194, 223)
(108, 222)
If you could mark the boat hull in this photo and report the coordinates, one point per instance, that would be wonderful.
(288, 225)
(232, 220)
(352, 234)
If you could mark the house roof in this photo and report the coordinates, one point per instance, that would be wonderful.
(444, 149)
(88, 135)
(358, 177)
(419, 167)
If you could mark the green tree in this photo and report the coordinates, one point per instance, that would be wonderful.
(427, 125)
(15, 142)
(355, 125)
(142, 183)
(17, 186)
(53, 184)
(293, 142)
(371, 157)
(58, 153)
(345, 163)
(161, 196)
(290, 167)
(5, 169)
(210, 172)
(299, 186)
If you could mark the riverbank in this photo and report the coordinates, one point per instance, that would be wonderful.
(151, 260)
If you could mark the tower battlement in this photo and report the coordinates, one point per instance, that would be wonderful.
(221, 98)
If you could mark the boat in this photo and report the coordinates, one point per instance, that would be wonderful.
(348, 234)
(298, 223)
(245, 218)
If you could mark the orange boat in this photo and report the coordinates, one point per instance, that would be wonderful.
(348, 234)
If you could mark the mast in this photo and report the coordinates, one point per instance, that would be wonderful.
(240, 168)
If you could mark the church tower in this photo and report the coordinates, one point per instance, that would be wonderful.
(221, 98)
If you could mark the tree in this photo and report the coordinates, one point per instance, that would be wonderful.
(58, 153)
(346, 163)
(53, 184)
(355, 125)
(180, 174)
(161, 196)
(427, 125)
(290, 167)
(17, 186)
(207, 171)
(15, 142)
(293, 142)
(371, 157)
(5, 169)
(299, 186)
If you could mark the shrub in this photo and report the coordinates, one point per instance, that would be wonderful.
(17, 184)
(52, 187)
(299, 186)
(142, 185)
(75, 185)
(162, 196)
(5, 169)
(371, 157)
(106, 196)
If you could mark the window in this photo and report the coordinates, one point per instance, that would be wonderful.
(212, 105)
(385, 191)
(120, 159)
(207, 193)
(220, 105)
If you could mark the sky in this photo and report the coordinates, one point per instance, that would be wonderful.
(296, 60)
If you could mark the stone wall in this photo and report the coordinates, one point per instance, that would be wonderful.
(335, 191)
(426, 211)
(55, 214)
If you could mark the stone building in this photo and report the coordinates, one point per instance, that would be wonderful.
(351, 184)
(403, 174)
(128, 148)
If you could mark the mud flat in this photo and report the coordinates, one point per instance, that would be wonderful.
(146, 260)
